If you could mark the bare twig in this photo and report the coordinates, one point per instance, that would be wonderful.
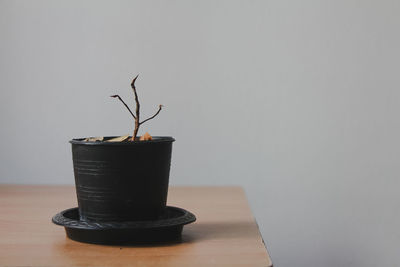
(120, 99)
(137, 124)
(137, 116)
(152, 117)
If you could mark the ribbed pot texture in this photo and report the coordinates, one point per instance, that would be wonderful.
(122, 181)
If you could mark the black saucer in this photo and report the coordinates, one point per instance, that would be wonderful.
(166, 229)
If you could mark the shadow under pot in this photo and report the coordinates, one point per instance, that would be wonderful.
(122, 181)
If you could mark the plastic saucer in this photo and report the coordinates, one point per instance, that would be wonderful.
(167, 228)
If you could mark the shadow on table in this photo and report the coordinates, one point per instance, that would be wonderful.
(218, 230)
(195, 233)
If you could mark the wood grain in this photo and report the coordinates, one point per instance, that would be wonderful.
(225, 233)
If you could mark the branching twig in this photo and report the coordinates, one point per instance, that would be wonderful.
(120, 99)
(152, 117)
(137, 116)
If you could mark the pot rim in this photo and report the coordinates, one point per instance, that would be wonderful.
(156, 139)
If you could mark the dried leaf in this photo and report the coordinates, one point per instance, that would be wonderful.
(94, 139)
(118, 139)
(146, 137)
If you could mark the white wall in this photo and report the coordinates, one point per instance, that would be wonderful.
(297, 101)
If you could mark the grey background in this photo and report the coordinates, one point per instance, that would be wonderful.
(297, 101)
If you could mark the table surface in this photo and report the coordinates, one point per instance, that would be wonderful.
(225, 232)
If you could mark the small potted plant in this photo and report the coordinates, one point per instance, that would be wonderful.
(122, 186)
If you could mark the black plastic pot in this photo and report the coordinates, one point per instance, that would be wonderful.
(122, 181)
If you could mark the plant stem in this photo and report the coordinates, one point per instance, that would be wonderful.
(120, 99)
(152, 117)
(137, 123)
(137, 117)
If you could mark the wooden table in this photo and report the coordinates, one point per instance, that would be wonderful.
(225, 232)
